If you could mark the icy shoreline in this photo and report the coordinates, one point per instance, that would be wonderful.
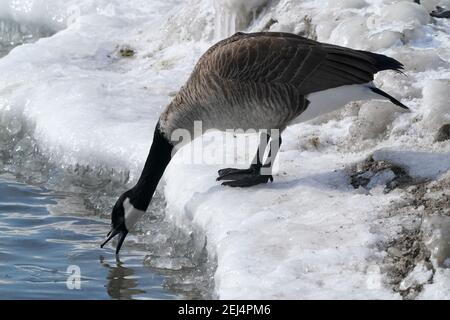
(311, 234)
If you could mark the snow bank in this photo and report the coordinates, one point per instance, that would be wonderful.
(78, 100)
(306, 236)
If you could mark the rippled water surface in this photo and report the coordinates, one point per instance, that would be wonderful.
(42, 234)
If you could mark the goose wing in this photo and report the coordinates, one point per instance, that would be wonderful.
(288, 59)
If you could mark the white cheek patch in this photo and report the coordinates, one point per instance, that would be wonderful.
(132, 214)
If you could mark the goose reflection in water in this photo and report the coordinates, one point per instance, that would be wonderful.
(121, 284)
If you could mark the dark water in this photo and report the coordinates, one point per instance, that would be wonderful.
(41, 246)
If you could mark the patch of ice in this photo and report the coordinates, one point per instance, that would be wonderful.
(437, 235)
(348, 33)
(407, 13)
(420, 275)
(373, 119)
(234, 15)
(422, 60)
(347, 4)
(436, 97)
(439, 289)
(422, 165)
(430, 5)
(381, 179)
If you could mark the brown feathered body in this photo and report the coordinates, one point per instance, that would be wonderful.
(263, 81)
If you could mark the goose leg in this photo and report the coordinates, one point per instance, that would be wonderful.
(257, 173)
(237, 174)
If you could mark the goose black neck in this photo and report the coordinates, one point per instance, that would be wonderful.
(158, 159)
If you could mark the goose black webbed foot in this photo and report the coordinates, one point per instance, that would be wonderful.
(238, 174)
(243, 178)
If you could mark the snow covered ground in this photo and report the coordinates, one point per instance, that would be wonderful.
(360, 205)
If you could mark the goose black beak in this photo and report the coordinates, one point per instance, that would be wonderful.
(121, 231)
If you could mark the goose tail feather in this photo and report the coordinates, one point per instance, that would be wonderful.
(383, 62)
(389, 97)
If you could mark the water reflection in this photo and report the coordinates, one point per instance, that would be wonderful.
(121, 283)
(42, 234)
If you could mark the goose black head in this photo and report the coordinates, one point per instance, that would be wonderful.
(132, 204)
(123, 217)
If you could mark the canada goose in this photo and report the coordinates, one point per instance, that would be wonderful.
(258, 80)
